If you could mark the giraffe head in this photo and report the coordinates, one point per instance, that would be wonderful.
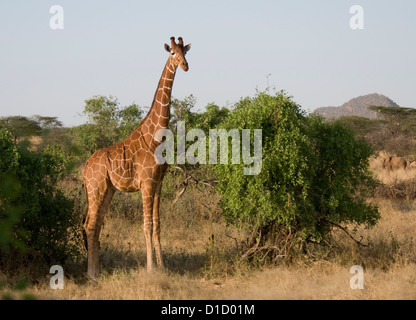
(177, 53)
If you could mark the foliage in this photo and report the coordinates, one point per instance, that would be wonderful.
(46, 122)
(398, 119)
(211, 118)
(35, 215)
(342, 179)
(362, 127)
(20, 126)
(107, 123)
(128, 119)
(181, 111)
(9, 188)
(398, 133)
(314, 175)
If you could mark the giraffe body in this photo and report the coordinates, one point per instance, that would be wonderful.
(130, 166)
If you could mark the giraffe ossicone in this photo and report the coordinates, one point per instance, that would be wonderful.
(131, 166)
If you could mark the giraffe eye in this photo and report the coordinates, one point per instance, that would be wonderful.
(173, 53)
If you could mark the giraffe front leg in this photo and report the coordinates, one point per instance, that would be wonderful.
(148, 195)
(156, 227)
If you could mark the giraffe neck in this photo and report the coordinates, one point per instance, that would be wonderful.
(158, 115)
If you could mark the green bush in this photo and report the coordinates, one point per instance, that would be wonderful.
(314, 176)
(36, 218)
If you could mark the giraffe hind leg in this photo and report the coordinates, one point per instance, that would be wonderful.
(84, 234)
(98, 204)
(85, 219)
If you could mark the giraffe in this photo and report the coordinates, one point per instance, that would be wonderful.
(130, 166)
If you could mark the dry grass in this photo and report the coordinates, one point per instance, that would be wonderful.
(389, 267)
(322, 280)
(200, 253)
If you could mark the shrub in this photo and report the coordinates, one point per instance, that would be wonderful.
(34, 214)
(314, 176)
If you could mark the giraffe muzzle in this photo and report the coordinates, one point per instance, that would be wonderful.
(184, 66)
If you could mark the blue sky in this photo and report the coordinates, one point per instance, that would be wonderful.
(116, 48)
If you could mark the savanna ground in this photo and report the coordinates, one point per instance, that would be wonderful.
(201, 254)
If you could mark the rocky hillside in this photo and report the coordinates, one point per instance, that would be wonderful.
(358, 107)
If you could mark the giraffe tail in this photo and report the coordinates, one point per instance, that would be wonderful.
(84, 234)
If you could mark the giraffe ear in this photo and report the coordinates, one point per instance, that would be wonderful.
(167, 48)
(187, 48)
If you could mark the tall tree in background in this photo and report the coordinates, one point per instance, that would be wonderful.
(399, 136)
(20, 126)
(48, 122)
(107, 123)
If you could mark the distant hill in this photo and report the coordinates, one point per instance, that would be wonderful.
(358, 107)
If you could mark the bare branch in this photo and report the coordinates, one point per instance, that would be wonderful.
(191, 179)
(345, 230)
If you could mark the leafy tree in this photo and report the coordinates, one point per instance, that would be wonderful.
(314, 176)
(107, 123)
(48, 122)
(181, 111)
(362, 126)
(184, 175)
(129, 119)
(211, 118)
(398, 119)
(101, 129)
(20, 126)
(398, 134)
